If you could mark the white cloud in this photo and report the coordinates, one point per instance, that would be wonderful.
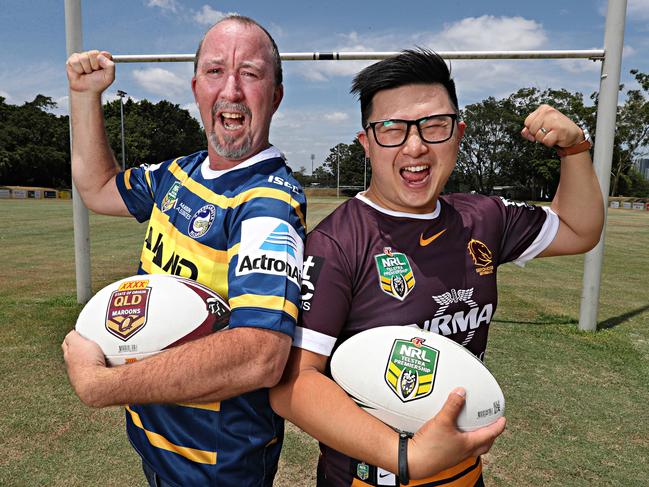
(161, 81)
(6, 96)
(472, 33)
(193, 110)
(170, 5)
(336, 116)
(300, 132)
(208, 16)
(489, 33)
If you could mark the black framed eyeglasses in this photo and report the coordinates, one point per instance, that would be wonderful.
(433, 129)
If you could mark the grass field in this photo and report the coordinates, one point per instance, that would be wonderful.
(577, 403)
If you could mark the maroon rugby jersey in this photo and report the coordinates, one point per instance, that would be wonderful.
(366, 266)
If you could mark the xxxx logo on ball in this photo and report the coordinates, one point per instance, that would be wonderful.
(395, 274)
(127, 309)
(410, 372)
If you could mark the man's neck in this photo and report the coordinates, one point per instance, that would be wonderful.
(219, 163)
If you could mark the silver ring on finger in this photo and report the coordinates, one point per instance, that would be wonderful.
(543, 130)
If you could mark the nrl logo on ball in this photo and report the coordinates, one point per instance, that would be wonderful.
(410, 372)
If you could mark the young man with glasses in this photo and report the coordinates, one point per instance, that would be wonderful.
(448, 247)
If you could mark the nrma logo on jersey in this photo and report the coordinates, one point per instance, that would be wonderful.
(270, 246)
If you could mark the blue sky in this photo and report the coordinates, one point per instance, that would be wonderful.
(317, 111)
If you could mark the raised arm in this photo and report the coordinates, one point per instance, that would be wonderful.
(315, 403)
(93, 164)
(578, 200)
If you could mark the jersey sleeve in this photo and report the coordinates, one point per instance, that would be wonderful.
(527, 230)
(327, 288)
(137, 186)
(265, 254)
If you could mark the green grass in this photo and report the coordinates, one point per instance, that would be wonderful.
(576, 402)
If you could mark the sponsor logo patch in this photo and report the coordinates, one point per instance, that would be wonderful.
(270, 246)
(127, 309)
(363, 471)
(465, 316)
(395, 274)
(310, 273)
(201, 221)
(169, 201)
(482, 257)
(410, 372)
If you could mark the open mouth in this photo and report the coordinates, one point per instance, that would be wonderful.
(232, 120)
(415, 174)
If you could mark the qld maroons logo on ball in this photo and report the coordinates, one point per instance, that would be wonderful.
(127, 309)
(410, 372)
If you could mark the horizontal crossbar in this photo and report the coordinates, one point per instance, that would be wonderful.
(593, 54)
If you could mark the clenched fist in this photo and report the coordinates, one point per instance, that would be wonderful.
(552, 128)
(90, 72)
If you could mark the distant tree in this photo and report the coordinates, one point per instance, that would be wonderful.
(486, 146)
(493, 153)
(153, 132)
(34, 144)
(351, 158)
(631, 135)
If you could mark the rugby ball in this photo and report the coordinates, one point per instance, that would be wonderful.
(142, 315)
(403, 375)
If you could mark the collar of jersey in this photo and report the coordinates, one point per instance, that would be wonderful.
(400, 214)
(271, 153)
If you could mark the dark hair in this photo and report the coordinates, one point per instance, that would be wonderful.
(419, 66)
(277, 61)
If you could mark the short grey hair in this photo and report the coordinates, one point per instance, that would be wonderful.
(242, 19)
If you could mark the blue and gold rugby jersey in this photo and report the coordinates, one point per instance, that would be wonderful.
(241, 232)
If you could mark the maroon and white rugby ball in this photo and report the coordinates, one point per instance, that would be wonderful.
(403, 375)
(142, 315)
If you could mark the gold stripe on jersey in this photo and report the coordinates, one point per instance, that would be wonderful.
(464, 474)
(147, 176)
(233, 251)
(177, 246)
(278, 303)
(159, 441)
(127, 178)
(209, 406)
(224, 202)
(273, 193)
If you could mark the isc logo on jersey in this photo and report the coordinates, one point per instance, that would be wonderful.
(270, 246)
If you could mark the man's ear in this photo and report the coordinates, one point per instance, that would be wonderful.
(278, 94)
(362, 138)
(461, 127)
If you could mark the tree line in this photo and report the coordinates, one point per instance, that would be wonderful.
(35, 143)
(494, 157)
(35, 149)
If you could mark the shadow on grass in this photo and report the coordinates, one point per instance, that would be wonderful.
(542, 321)
(618, 320)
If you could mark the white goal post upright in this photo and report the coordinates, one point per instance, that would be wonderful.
(610, 56)
(603, 153)
(81, 224)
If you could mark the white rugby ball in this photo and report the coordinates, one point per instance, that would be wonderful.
(142, 315)
(403, 375)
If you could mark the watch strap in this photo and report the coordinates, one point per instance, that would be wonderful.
(582, 146)
(403, 458)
